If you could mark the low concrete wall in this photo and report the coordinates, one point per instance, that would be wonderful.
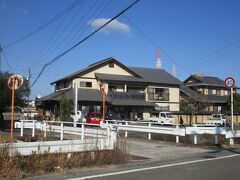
(66, 146)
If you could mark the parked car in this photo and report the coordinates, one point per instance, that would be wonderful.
(113, 117)
(94, 117)
(79, 116)
(162, 118)
(216, 120)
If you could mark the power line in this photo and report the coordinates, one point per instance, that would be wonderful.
(209, 60)
(80, 33)
(84, 39)
(57, 34)
(154, 43)
(59, 15)
(89, 10)
(9, 67)
(94, 8)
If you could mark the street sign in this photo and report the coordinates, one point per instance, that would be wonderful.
(18, 81)
(229, 82)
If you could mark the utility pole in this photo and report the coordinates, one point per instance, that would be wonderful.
(28, 79)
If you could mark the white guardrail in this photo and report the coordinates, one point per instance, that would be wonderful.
(176, 130)
(94, 138)
(107, 132)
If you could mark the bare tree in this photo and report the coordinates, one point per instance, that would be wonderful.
(193, 105)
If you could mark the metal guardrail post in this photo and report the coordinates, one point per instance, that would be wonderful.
(195, 138)
(45, 129)
(82, 136)
(108, 132)
(22, 126)
(149, 134)
(33, 129)
(62, 129)
(195, 135)
(126, 133)
(216, 139)
(177, 137)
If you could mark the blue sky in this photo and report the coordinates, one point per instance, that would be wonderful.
(198, 36)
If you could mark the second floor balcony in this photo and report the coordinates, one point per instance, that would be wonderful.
(136, 96)
(158, 96)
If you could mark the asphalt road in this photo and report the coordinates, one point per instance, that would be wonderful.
(219, 168)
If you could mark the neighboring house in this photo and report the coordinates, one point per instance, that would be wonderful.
(131, 91)
(207, 89)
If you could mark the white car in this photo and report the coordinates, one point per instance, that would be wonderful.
(163, 118)
(79, 117)
(216, 120)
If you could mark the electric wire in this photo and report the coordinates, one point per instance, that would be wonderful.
(154, 43)
(84, 39)
(91, 8)
(59, 15)
(6, 60)
(56, 35)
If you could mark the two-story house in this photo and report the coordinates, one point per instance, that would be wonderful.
(212, 89)
(130, 91)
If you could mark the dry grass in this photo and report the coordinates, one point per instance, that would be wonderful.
(17, 166)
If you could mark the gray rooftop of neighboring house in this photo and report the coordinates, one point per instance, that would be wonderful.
(203, 98)
(203, 80)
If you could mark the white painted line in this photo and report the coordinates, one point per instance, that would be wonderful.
(151, 168)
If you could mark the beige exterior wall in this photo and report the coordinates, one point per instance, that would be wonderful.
(93, 81)
(117, 70)
(205, 91)
(222, 92)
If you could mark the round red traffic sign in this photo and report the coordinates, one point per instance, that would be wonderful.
(229, 82)
(17, 79)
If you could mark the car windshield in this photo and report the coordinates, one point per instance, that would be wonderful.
(113, 117)
(216, 116)
(169, 115)
(97, 116)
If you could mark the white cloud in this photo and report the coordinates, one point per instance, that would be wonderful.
(114, 26)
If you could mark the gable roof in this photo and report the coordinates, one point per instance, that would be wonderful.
(96, 65)
(156, 76)
(204, 80)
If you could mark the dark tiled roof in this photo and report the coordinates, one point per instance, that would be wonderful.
(131, 103)
(217, 99)
(156, 76)
(83, 95)
(202, 98)
(205, 80)
(112, 77)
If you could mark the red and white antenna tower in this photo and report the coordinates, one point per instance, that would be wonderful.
(159, 63)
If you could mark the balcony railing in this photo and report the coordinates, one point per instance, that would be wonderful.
(127, 96)
(158, 96)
